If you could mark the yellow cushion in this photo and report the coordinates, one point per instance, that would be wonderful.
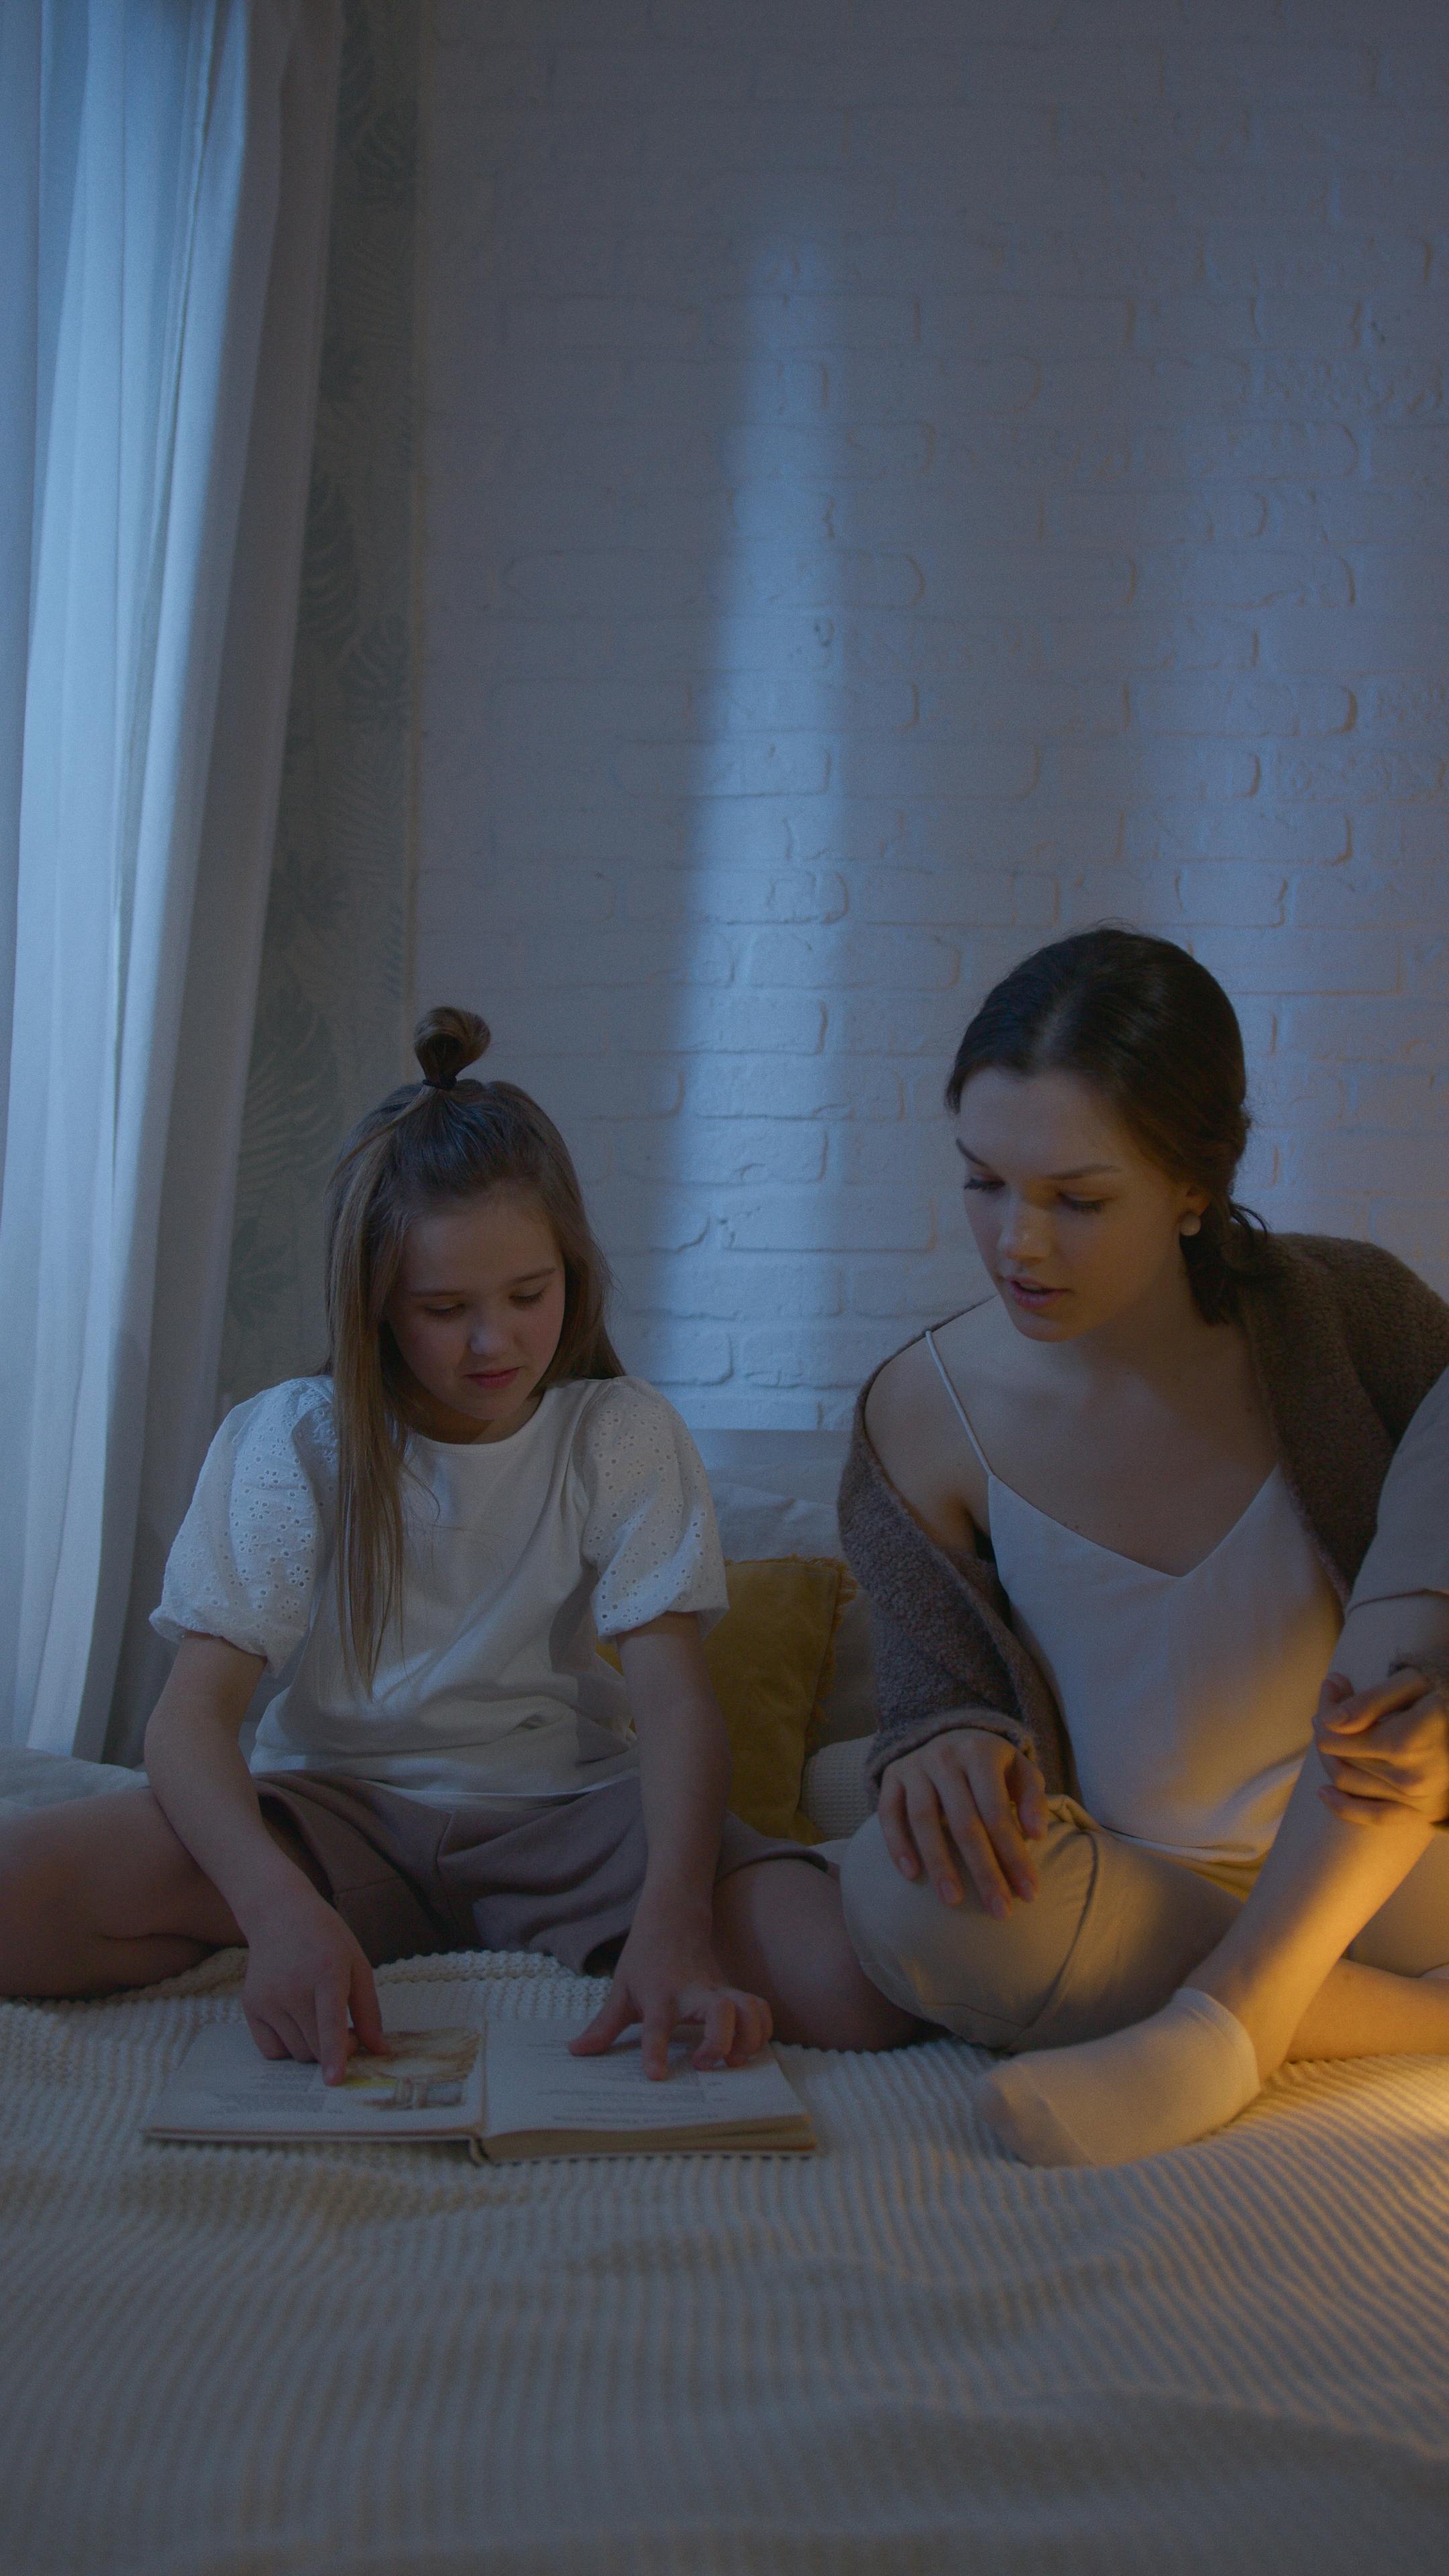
(770, 1659)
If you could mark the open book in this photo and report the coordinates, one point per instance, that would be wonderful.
(512, 2090)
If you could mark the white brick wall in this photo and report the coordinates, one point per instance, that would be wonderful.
(906, 478)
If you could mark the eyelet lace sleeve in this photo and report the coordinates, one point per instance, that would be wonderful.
(246, 1558)
(650, 1531)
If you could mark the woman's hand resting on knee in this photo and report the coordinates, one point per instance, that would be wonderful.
(967, 1797)
(1385, 1748)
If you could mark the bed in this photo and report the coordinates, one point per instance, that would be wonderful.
(904, 2354)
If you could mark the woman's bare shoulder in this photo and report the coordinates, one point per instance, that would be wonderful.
(910, 1427)
(898, 1394)
(976, 1340)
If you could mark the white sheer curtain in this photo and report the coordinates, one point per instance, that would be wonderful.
(163, 225)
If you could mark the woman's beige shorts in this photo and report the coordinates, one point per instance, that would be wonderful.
(1111, 1934)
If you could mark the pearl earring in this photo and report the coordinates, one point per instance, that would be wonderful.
(1190, 1225)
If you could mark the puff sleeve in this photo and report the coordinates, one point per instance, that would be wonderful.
(246, 1559)
(649, 1531)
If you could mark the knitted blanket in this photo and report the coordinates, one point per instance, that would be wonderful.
(905, 2356)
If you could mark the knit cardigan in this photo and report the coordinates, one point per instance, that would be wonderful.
(1346, 1343)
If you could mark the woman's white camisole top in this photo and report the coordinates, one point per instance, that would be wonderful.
(1188, 1699)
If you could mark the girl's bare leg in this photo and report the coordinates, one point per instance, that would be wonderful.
(100, 1894)
(780, 1932)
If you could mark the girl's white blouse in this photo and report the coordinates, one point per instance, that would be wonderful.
(519, 1555)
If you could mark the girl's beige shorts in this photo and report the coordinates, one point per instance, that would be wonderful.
(561, 1875)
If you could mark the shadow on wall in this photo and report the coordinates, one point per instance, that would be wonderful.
(874, 531)
(855, 755)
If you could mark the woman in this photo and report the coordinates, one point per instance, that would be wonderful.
(1110, 1517)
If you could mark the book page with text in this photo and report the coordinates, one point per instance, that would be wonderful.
(533, 2084)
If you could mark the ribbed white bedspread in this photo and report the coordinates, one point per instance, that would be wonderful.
(906, 2356)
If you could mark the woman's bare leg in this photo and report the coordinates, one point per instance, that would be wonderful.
(1370, 2012)
(780, 1933)
(1276, 1981)
(1326, 1878)
(100, 1894)
(1276, 1968)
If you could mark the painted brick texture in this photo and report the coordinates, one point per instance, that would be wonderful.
(906, 478)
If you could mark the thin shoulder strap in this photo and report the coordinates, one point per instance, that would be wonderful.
(961, 1412)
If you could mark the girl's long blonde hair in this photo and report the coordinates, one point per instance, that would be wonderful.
(432, 1144)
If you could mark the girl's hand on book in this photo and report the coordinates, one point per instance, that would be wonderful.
(966, 1796)
(664, 1978)
(309, 1990)
(1385, 1748)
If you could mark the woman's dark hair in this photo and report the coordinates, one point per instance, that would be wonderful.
(435, 1143)
(1156, 1035)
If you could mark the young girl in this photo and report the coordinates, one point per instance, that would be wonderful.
(422, 1545)
(1109, 1517)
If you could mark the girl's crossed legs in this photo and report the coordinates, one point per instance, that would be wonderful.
(100, 1895)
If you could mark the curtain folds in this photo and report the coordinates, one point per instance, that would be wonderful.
(166, 169)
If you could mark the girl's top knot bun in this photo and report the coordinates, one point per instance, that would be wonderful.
(446, 1042)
